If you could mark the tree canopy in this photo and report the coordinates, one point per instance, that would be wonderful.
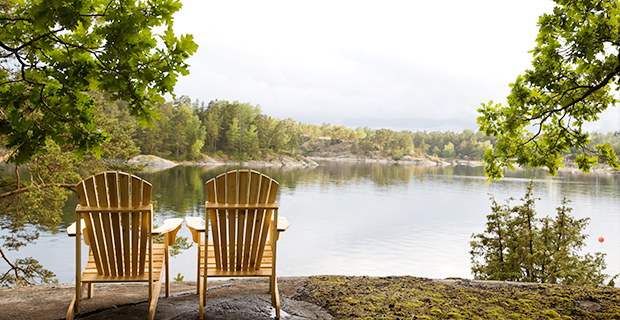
(75, 76)
(53, 52)
(575, 68)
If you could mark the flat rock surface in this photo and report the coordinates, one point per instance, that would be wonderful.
(230, 299)
(153, 163)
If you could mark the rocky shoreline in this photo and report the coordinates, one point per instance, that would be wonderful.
(406, 160)
(278, 161)
(154, 163)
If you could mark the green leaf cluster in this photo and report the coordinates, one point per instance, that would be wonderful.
(518, 246)
(53, 52)
(574, 68)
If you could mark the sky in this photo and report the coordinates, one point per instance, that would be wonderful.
(402, 65)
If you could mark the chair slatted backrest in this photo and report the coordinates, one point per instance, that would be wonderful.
(239, 236)
(117, 239)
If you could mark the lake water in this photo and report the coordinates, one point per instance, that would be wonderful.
(372, 219)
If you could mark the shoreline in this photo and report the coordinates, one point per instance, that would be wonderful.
(155, 163)
(326, 297)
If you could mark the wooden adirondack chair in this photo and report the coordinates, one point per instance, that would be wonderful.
(115, 215)
(241, 209)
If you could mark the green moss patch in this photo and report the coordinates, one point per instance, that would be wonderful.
(418, 298)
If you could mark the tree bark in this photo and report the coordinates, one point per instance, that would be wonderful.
(6, 155)
(25, 189)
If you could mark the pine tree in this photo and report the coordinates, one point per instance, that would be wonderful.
(518, 246)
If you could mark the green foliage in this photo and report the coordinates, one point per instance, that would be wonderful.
(177, 134)
(53, 52)
(180, 244)
(42, 205)
(179, 277)
(60, 63)
(31, 200)
(575, 66)
(27, 271)
(242, 132)
(518, 246)
(232, 136)
(250, 144)
(448, 151)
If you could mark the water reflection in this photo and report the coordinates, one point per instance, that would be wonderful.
(378, 219)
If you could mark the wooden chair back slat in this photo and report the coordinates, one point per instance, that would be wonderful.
(212, 217)
(147, 189)
(123, 181)
(220, 188)
(107, 249)
(136, 197)
(240, 236)
(91, 195)
(136, 191)
(265, 217)
(273, 190)
(254, 184)
(143, 241)
(231, 198)
(146, 223)
(258, 224)
(135, 232)
(118, 241)
(88, 231)
(136, 222)
(112, 183)
(241, 217)
(100, 255)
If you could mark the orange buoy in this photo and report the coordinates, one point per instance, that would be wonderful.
(601, 239)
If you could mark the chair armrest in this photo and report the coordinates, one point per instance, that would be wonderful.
(170, 229)
(196, 226)
(71, 229)
(169, 225)
(283, 224)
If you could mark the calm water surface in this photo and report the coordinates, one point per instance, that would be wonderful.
(372, 219)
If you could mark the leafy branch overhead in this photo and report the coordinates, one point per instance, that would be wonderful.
(575, 67)
(53, 52)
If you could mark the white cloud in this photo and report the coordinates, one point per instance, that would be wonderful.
(406, 65)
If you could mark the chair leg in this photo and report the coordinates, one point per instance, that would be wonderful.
(275, 295)
(90, 290)
(167, 271)
(201, 296)
(155, 297)
(72, 308)
(205, 291)
(201, 245)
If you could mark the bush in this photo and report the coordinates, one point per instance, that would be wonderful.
(518, 246)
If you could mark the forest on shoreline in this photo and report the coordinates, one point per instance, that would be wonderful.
(189, 130)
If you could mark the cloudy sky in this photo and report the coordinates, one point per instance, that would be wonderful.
(404, 65)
